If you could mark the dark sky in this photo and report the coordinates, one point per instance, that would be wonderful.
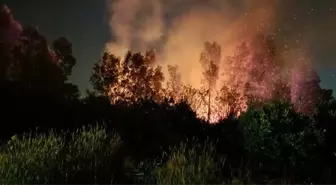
(85, 23)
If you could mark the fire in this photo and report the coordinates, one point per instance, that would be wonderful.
(252, 73)
(257, 69)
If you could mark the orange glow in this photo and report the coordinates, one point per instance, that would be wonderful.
(181, 41)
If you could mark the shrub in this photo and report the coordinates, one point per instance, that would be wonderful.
(195, 165)
(145, 172)
(276, 132)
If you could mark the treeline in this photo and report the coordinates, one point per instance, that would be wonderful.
(132, 128)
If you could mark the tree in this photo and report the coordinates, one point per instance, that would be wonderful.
(231, 99)
(10, 31)
(254, 73)
(275, 132)
(210, 59)
(32, 62)
(305, 88)
(27, 59)
(234, 91)
(129, 80)
(63, 53)
(264, 70)
(174, 84)
(325, 117)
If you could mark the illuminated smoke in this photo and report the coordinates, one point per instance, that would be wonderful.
(137, 25)
(177, 29)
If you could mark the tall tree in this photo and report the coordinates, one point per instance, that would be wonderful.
(263, 67)
(10, 31)
(129, 80)
(26, 58)
(265, 71)
(174, 83)
(32, 62)
(305, 89)
(234, 91)
(210, 59)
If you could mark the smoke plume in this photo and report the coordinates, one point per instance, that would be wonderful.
(177, 30)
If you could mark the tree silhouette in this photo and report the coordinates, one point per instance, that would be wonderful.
(26, 57)
(32, 62)
(234, 91)
(63, 53)
(129, 80)
(210, 59)
(10, 31)
(174, 83)
(32, 81)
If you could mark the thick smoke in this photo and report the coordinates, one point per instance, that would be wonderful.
(177, 30)
(135, 24)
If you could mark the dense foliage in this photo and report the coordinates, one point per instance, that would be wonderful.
(130, 129)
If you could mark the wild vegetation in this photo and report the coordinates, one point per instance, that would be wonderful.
(133, 128)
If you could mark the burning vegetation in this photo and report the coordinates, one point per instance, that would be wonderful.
(254, 73)
(216, 56)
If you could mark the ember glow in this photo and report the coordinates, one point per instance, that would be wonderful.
(253, 60)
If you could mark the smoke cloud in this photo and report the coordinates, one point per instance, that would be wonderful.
(177, 30)
(135, 24)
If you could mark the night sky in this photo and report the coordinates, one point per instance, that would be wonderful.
(85, 24)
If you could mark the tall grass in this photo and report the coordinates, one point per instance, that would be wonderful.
(190, 165)
(91, 153)
(50, 158)
(31, 160)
